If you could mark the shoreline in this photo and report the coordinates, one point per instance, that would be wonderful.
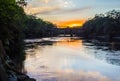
(8, 70)
(9, 73)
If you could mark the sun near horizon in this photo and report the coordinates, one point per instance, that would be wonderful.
(69, 13)
(70, 24)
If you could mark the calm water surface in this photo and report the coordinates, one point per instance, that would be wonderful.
(72, 59)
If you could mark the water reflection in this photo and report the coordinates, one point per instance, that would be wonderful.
(72, 59)
(109, 51)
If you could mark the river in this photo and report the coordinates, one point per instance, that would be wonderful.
(72, 59)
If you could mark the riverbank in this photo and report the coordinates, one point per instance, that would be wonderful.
(106, 38)
(8, 70)
(7, 74)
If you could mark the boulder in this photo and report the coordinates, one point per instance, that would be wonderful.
(30, 79)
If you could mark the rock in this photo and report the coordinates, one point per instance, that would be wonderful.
(30, 79)
(25, 78)
(8, 70)
(22, 77)
(3, 75)
(12, 76)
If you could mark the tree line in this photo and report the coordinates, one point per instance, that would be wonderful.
(37, 28)
(107, 25)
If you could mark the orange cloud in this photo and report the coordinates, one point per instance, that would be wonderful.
(71, 23)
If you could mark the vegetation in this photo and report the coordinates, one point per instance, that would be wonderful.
(16, 25)
(36, 28)
(11, 21)
(107, 24)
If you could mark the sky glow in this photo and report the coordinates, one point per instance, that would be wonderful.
(57, 11)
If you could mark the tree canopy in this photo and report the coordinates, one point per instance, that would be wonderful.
(103, 24)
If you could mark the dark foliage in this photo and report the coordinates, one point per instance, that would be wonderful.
(15, 26)
(107, 24)
(36, 28)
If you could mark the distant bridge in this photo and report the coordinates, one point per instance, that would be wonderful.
(67, 35)
(70, 32)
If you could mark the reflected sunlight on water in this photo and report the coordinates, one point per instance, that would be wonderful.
(71, 59)
(71, 43)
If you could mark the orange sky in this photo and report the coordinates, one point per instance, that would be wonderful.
(71, 23)
(69, 12)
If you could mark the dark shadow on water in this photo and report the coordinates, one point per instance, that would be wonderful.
(42, 43)
(19, 62)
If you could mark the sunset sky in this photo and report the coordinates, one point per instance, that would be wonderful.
(69, 12)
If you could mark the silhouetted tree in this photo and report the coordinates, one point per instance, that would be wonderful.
(103, 24)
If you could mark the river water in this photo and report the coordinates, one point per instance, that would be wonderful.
(72, 59)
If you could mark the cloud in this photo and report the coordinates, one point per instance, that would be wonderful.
(48, 7)
(58, 10)
(48, 10)
(40, 10)
(45, 1)
(75, 10)
(42, 6)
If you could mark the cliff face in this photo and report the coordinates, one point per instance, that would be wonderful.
(8, 71)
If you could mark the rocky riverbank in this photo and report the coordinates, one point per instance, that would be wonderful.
(8, 71)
